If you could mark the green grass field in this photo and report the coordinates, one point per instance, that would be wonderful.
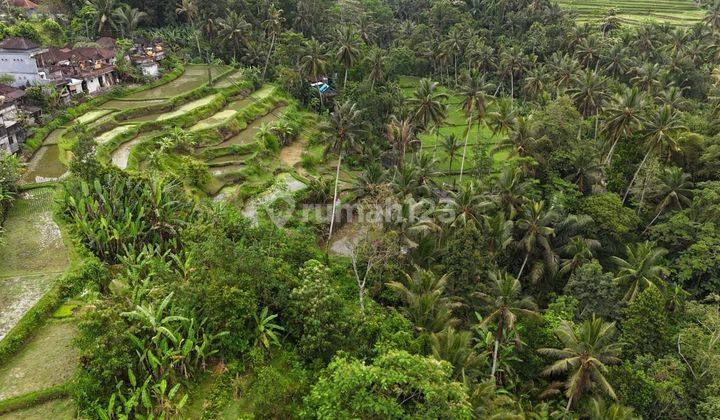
(675, 12)
(456, 125)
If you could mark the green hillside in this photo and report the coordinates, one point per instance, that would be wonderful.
(676, 12)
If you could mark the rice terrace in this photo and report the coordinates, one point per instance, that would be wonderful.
(367, 209)
(674, 12)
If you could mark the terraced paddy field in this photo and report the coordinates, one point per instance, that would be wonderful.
(33, 254)
(456, 124)
(121, 104)
(222, 116)
(45, 165)
(115, 132)
(190, 106)
(120, 155)
(675, 12)
(62, 409)
(193, 77)
(248, 134)
(228, 81)
(55, 136)
(48, 359)
(91, 116)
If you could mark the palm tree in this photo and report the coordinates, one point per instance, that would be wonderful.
(600, 410)
(451, 145)
(623, 118)
(535, 82)
(345, 127)
(519, 138)
(128, 18)
(589, 94)
(189, 9)
(234, 29)
(272, 26)
(647, 78)
(659, 134)
(376, 63)
(512, 62)
(578, 251)
(467, 207)
(425, 304)
(348, 50)
(585, 354)
(712, 16)
(641, 268)
(401, 134)
(535, 233)
(588, 169)
(474, 105)
(314, 62)
(455, 43)
(505, 305)
(511, 188)
(503, 118)
(104, 11)
(675, 190)
(429, 103)
(456, 347)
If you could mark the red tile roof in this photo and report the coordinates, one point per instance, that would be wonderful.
(25, 4)
(17, 43)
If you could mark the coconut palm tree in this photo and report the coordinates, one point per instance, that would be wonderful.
(348, 50)
(659, 134)
(401, 134)
(600, 410)
(315, 60)
(675, 190)
(104, 11)
(641, 268)
(535, 232)
(190, 10)
(426, 305)
(127, 19)
(584, 357)
(475, 98)
(375, 60)
(623, 118)
(505, 304)
(450, 145)
(589, 94)
(503, 118)
(272, 26)
(467, 207)
(234, 29)
(712, 16)
(511, 188)
(345, 126)
(428, 103)
(456, 347)
(512, 63)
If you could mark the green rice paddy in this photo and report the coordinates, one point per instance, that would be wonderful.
(193, 77)
(675, 12)
(455, 124)
(178, 112)
(47, 360)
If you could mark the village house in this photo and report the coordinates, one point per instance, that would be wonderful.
(12, 130)
(22, 60)
(146, 54)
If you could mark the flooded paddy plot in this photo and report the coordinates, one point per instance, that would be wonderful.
(45, 165)
(48, 359)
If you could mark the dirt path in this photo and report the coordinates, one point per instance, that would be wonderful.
(32, 253)
(291, 155)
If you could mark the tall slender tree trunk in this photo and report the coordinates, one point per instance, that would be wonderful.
(653, 220)
(632, 181)
(522, 267)
(462, 162)
(512, 85)
(345, 78)
(498, 338)
(267, 59)
(334, 206)
(608, 159)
